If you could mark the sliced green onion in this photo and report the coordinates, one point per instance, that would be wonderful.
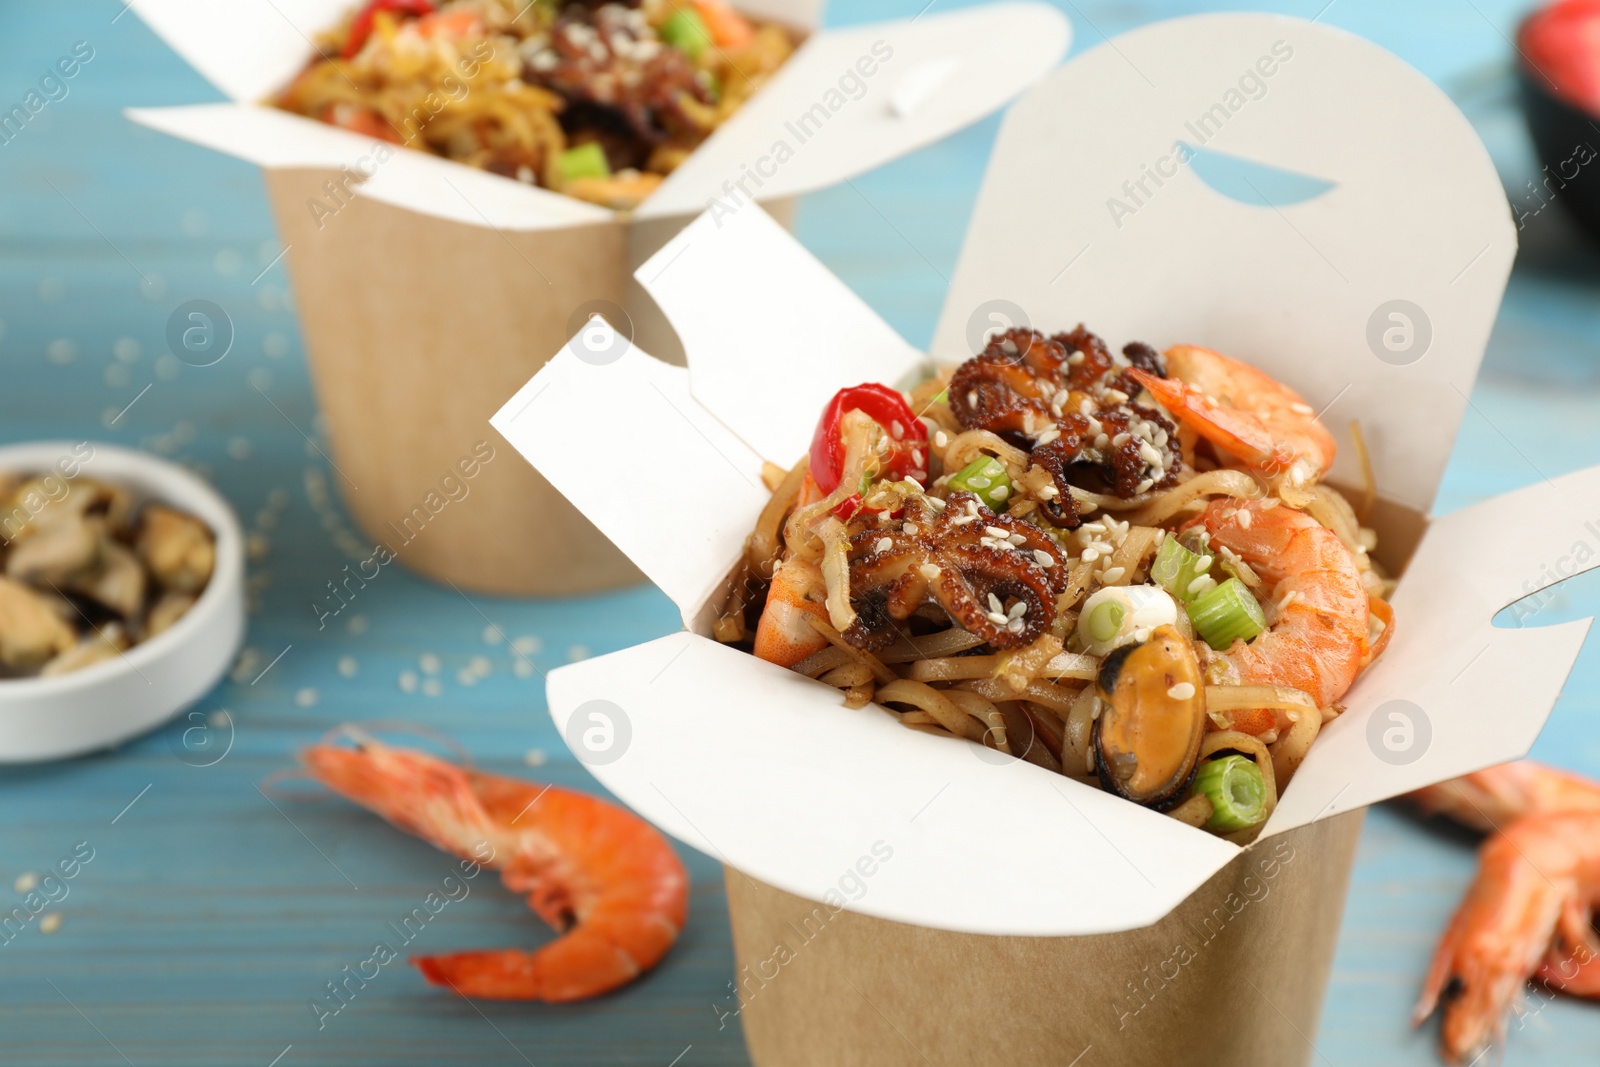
(1178, 570)
(687, 32)
(584, 161)
(987, 478)
(1227, 614)
(1105, 621)
(1237, 792)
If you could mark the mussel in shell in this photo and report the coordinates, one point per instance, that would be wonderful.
(1152, 719)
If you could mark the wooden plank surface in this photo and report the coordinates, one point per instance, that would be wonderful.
(211, 918)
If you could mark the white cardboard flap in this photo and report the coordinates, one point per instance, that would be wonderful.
(617, 433)
(791, 307)
(826, 116)
(1076, 222)
(380, 171)
(1454, 694)
(800, 788)
(246, 48)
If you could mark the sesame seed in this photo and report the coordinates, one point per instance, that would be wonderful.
(1075, 359)
(50, 923)
(1046, 437)
(898, 429)
(429, 663)
(929, 571)
(972, 398)
(998, 618)
(1149, 455)
(995, 605)
(1018, 610)
(1181, 691)
(1304, 409)
(26, 883)
(408, 681)
(1116, 396)
(978, 481)
(1119, 440)
(1090, 555)
(1014, 626)
(1043, 558)
(1199, 585)
(1244, 520)
(348, 666)
(1000, 492)
(1114, 575)
(1101, 441)
(909, 528)
(1142, 634)
(1144, 486)
(1049, 492)
(884, 544)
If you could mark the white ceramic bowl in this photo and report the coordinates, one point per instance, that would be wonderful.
(115, 699)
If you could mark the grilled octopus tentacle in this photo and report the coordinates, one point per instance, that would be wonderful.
(954, 559)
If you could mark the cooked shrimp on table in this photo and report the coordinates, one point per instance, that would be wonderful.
(1529, 913)
(605, 879)
(1122, 567)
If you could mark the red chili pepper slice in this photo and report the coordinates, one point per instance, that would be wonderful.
(361, 25)
(888, 409)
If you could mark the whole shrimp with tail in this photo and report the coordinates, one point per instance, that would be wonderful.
(606, 880)
(1530, 910)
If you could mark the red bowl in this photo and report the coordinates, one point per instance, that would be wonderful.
(1558, 75)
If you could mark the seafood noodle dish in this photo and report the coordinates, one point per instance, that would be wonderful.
(595, 100)
(1122, 567)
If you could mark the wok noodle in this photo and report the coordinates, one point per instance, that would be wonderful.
(598, 101)
(1123, 568)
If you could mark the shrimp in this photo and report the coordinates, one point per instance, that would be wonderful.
(1528, 912)
(1252, 417)
(603, 877)
(1489, 799)
(783, 636)
(1319, 640)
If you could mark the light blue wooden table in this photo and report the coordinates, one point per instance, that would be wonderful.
(209, 919)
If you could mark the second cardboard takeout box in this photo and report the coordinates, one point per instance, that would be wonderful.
(898, 898)
(428, 290)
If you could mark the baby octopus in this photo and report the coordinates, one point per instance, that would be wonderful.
(996, 576)
(1068, 401)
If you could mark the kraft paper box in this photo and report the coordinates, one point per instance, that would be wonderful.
(428, 290)
(1276, 189)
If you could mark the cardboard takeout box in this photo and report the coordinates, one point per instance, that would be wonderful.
(1323, 212)
(427, 290)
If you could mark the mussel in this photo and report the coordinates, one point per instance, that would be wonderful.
(1152, 719)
